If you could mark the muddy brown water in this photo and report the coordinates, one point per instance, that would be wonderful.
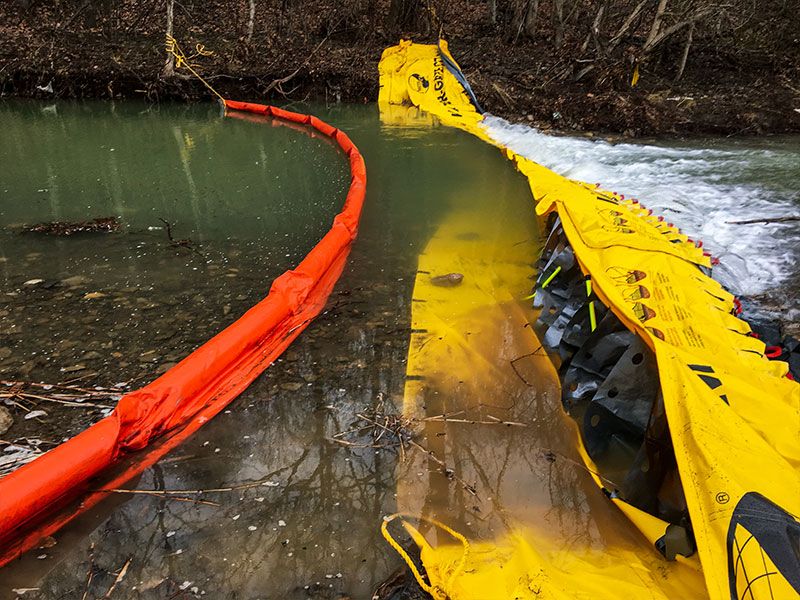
(113, 310)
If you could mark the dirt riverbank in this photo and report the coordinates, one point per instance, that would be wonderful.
(288, 52)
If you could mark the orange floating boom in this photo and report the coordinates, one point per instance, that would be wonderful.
(42, 496)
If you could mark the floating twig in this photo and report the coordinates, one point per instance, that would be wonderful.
(13, 395)
(494, 421)
(515, 360)
(183, 243)
(89, 572)
(170, 494)
(120, 577)
(231, 488)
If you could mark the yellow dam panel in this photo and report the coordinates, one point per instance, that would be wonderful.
(734, 416)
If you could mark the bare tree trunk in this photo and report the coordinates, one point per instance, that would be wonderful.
(251, 21)
(626, 25)
(662, 6)
(595, 30)
(558, 23)
(493, 12)
(531, 18)
(685, 54)
(405, 14)
(169, 65)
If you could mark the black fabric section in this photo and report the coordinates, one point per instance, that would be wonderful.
(610, 387)
(456, 72)
(776, 531)
(701, 368)
(711, 382)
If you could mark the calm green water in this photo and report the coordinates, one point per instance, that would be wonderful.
(253, 198)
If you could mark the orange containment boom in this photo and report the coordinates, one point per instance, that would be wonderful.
(42, 496)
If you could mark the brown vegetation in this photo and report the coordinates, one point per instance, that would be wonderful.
(641, 66)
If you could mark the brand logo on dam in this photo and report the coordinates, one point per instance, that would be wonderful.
(418, 83)
(763, 549)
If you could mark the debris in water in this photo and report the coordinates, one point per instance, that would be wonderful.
(75, 281)
(449, 280)
(6, 420)
(35, 413)
(47, 541)
(16, 455)
(182, 243)
(66, 228)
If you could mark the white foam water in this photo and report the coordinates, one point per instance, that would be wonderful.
(701, 188)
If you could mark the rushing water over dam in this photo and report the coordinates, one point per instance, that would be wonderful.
(251, 200)
(704, 186)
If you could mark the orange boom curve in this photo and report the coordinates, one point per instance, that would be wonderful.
(42, 496)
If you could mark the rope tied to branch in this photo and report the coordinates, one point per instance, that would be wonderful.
(181, 60)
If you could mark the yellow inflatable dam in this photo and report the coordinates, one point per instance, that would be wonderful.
(688, 430)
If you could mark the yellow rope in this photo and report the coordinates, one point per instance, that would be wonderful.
(181, 60)
(436, 592)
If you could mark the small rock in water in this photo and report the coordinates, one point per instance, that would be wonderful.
(35, 413)
(75, 280)
(6, 420)
(449, 280)
(5, 352)
(163, 368)
(291, 387)
(33, 281)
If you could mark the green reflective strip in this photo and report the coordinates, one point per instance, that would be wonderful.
(531, 297)
(552, 276)
(592, 316)
(588, 287)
